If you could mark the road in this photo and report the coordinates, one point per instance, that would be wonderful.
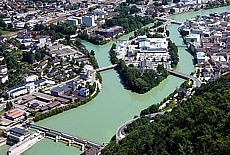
(120, 133)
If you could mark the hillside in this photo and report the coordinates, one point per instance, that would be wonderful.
(200, 125)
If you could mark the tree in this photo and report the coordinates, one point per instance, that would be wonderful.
(9, 105)
(10, 26)
(83, 26)
(2, 23)
(92, 52)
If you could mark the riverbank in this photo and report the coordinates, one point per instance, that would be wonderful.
(99, 119)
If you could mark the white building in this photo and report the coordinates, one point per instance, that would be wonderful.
(99, 13)
(74, 20)
(3, 70)
(3, 78)
(20, 89)
(200, 57)
(152, 45)
(31, 78)
(193, 37)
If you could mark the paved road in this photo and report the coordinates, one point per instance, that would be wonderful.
(120, 133)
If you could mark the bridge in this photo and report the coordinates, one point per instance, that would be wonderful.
(57, 135)
(181, 46)
(169, 20)
(196, 81)
(106, 68)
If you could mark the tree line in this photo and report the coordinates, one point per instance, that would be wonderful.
(134, 79)
(197, 126)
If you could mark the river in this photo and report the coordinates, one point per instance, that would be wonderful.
(99, 119)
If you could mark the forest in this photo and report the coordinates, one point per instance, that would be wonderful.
(129, 22)
(200, 125)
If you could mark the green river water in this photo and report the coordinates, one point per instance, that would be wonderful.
(99, 119)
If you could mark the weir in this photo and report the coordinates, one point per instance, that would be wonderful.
(69, 139)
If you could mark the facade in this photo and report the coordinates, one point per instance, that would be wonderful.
(88, 20)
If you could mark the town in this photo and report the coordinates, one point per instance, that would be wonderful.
(45, 69)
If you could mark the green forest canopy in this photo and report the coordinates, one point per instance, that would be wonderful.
(200, 125)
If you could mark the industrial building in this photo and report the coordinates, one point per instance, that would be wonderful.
(15, 135)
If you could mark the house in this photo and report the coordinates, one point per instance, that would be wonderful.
(43, 64)
(3, 78)
(3, 69)
(200, 56)
(14, 114)
(52, 72)
(182, 92)
(30, 78)
(192, 38)
(1, 58)
(84, 92)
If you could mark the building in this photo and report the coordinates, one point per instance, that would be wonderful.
(14, 114)
(182, 92)
(84, 92)
(99, 13)
(15, 135)
(3, 69)
(152, 45)
(19, 89)
(88, 20)
(110, 32)
(192, 38)
(31, 78)
(60, 90)
(74, 20)
(200, 56)
(3, 78)
(50, 106)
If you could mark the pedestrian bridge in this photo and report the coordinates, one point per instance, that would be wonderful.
(57, 135)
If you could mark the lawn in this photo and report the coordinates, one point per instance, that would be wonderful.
(5, 32)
